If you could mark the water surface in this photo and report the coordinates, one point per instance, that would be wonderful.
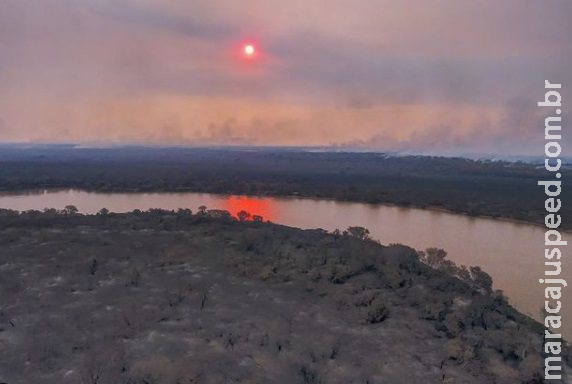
(513, 253)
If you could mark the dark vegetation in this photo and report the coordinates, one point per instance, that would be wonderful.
(176, 297)
(496, 189)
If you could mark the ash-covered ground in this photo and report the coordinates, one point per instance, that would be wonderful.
(179, 298)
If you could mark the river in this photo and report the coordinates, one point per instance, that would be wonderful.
(512, 253)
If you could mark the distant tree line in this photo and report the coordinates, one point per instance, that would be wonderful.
(476, 188)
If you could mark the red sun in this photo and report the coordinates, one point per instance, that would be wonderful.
(249, 51)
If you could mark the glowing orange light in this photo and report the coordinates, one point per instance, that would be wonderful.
(252, 205)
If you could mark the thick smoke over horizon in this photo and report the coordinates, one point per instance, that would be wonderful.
(382, 74)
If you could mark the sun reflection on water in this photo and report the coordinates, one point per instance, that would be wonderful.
(252, 205)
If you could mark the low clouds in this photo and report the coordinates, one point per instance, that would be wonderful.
(383, 74)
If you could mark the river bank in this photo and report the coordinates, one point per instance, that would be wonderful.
(165, 296)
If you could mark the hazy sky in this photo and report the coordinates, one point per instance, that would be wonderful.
(401, 74)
